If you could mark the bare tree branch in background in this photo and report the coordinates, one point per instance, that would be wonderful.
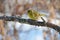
(52, 16)
(2, 27)
(2, 8)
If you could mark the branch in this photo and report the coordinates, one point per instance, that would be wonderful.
(31, 22)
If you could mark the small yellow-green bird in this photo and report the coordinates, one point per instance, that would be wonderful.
(34, 15)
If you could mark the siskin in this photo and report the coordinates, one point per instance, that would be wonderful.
(34, 15)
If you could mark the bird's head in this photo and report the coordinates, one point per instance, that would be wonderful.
(29, 11)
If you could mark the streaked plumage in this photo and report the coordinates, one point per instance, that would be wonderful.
(34, 15)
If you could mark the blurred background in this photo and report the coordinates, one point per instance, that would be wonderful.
(13, 30)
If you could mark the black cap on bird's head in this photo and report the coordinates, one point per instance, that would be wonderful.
(29, 11)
